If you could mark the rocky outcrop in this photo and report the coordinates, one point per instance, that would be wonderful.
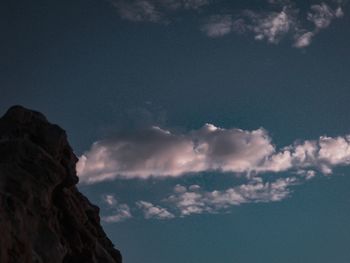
(43, 217)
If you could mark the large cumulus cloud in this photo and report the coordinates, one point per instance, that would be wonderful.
(155, 152)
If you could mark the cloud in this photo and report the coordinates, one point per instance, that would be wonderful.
(323, 154)
(138, 10)
(306, 174)
(270, 26)
(279, 20)
(271, 21)
(160, 153)
(273, 26)
(110, 200)
(119, 212)
(218, 26)
(334, 150)
(193, 4)
(153, 10)
(194, 200)
(156, 152)
(303, 40)
(322, 15)
(151, 211)
(265, 24)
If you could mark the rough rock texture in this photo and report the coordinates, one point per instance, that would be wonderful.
(43, 217)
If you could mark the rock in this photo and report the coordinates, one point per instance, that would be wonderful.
(43, 216)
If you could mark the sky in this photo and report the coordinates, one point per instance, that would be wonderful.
(206, 130)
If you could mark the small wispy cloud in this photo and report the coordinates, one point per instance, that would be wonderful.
(322, 15)
(118, 212)
(303, 40)
(218, 26)
(273, 26)
(137, 11)
(194, 200)
(271, 21)
(191, 4)
(152, 211)
(154, 10)
(270, 26)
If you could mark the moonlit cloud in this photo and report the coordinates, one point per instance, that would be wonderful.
(118, 212)
(303, 40)
(110, 200)
(138, 10)
(271, 21)
(218, 26)
(322, 15)
(156, 152)
(153, 10)
(306, 174)
(274, 26)
(192, 4)
(271, 26)
(152, 211)
(160, 153)
(194, 200)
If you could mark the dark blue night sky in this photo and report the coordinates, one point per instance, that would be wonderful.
(207, 130)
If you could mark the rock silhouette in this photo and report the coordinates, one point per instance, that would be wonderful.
(43, 216)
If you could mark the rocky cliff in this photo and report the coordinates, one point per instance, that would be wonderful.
(43, 217)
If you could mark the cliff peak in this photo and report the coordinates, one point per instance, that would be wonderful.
(44, 218)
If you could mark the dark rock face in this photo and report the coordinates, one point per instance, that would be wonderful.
(43, 217)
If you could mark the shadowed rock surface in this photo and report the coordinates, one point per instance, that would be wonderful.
(43, 217)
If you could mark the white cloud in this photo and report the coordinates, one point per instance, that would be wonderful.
(304, 39)
(153, 10)
(122, 213)
(218, 26)
(151, 211)
(271, 21)
(179, 189)
(159, 153)
(334, 150)
(188, 200)
(194, 4)
(196, 201)
(184, 4)
(307, 174)
(339, 12)
(271, 26)
(323, 154)
(119, 212)
(322, 15)
(185, 201)
(138, 10)
(110, 200)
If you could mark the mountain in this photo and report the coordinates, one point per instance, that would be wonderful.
(43, 216)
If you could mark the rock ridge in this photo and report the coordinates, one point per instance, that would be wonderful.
(43, 216)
